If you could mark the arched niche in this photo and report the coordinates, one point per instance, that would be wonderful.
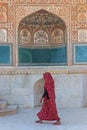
(40, 37)
(57, 36)
(3, 35)
(24, 37)
(47, 39)
(38, 91)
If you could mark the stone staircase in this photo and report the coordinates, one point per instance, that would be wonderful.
(6, 109)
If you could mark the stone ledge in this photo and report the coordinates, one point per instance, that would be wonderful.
(65, 71)
(42, 69)
(12, 109)
(3, 104)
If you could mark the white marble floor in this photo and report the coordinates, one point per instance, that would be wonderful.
(72, 119)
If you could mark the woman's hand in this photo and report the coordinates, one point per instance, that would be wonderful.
(41, 100)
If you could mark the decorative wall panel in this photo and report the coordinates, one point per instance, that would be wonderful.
(82, 35)
(3, 35)
(40, 38)
(3, 12)
(80, 54)
(57, 36)
(5, 54)
(46, 29)
(24, 37)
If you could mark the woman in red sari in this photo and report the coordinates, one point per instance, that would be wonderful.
(48, 111)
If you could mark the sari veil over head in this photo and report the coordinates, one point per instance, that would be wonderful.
(49, 85)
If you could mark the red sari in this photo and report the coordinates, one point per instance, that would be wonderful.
(49, 111)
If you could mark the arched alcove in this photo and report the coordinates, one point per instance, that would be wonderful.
(45, 39)
(38, 91)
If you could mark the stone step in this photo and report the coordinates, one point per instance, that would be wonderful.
(3, 104)
(11, 109)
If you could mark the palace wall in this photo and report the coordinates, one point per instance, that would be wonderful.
(18, 84)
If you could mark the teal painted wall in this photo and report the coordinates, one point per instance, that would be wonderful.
(80, 54)
(5, 55)
(51, 56)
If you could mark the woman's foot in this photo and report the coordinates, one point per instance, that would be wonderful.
(39, 121)
(57, 123)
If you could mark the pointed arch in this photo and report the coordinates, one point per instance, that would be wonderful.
(44, 22)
